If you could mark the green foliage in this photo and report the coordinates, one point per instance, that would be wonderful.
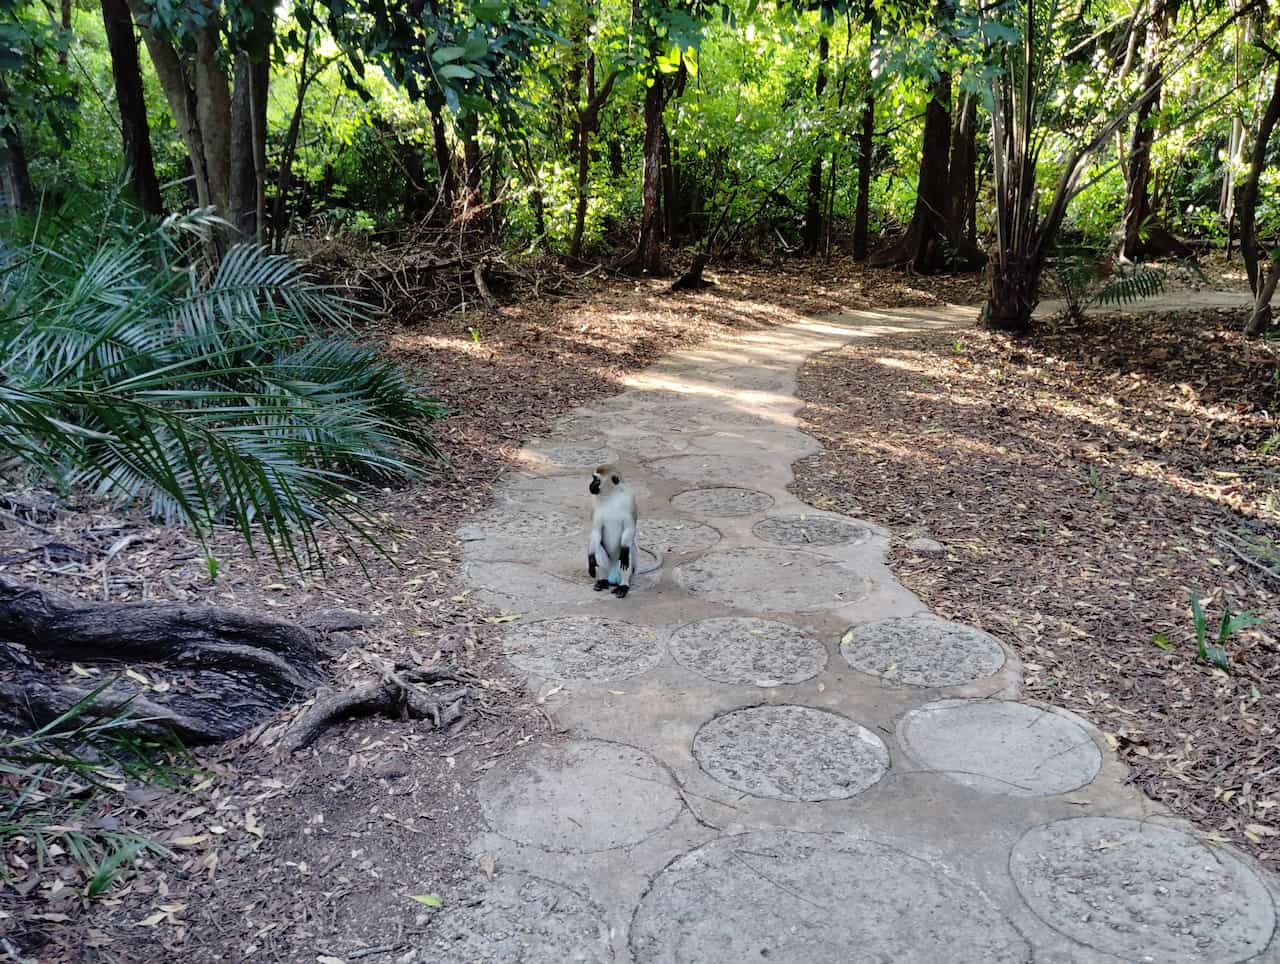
(1077, 275)
(231, 396)
(56, 774)
(1215, 653)
(36, 87)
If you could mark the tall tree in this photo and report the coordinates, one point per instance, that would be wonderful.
(1263, 270)
(187, 52)
(1025, 76)
(866, 144)
(813, 193)
(135, 131)
(936, 239)
(1141, 235)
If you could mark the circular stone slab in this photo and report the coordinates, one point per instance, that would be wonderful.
(998, 746)
(722, 501)
(779, 895)
(790, 753)
(582, 648)
(655, 446)
(507, 524)
(709, 468)
(579, 797)
(676, 536)
(574, 456)
(517, 919)
(813, 530)
(922, 652)
(702, 415)
(745, 650)
(1143, 892)
(772, 580)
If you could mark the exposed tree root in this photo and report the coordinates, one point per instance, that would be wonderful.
(398, 694)
(226, 670)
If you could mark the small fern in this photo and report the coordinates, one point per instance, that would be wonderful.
(1078, 273)
(1129, 287)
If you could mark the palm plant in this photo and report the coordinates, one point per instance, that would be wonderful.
(232, 394)
(1030, 83)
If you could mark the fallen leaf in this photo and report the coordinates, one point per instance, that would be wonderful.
(431, 900)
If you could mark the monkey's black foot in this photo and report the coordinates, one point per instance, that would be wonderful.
(602, 584)
(621, 591)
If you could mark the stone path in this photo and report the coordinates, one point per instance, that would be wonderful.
(772, 750)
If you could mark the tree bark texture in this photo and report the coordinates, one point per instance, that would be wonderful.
(15, 152)
(444, 164)
(1137, 175)
(586, 124)
(962, 193)
(648, 255)
(932, 242)
(813, 195)
(236, 668)
(127, 75)
(248, 135)
(1262, 281)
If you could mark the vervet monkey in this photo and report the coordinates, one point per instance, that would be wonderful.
(613, 531)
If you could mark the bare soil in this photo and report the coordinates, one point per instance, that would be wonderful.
(321, 854)
(1085, 482)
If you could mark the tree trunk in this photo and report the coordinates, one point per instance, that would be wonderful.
(962, 175)
(580, 205)
(416, 202)
(213, 114)
(929, 245)
(671, 207)
(1137, 207)
(866, 143)
(127, 74)
(444, 163)
(472, 169)
(862, 207)
(813, 196)
(585, 124)
(242, 204)
(237, 668)
(1261, 281)
(648, 254)
(284, 176)
(1013, 295)
(181, 96)
(24, 195)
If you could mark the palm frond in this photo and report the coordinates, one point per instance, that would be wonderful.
(237, 400)
(1131, 286)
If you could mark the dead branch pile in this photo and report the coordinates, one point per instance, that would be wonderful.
(431, 271)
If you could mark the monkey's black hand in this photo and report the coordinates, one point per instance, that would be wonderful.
(624, 557)
(602, 584)
(591, 564)
(621, 591)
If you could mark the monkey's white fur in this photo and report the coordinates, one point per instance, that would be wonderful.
(613, 529)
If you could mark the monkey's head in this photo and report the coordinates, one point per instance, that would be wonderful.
(604, 478)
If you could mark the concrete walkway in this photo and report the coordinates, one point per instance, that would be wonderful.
(772, 750)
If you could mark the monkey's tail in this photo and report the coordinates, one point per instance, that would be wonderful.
(654, 568)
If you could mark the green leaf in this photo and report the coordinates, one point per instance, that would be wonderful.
(1162, 641)
(1217, 657)
(444, 55)
(456, 71)
(431, 900)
